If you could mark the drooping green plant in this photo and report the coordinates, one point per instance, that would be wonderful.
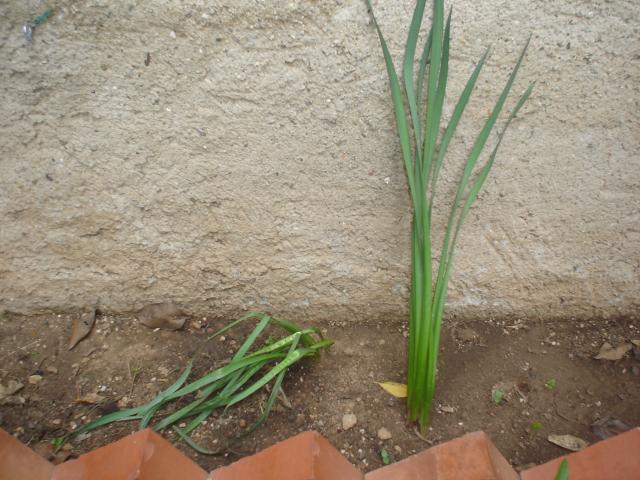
(245, 374)
(423, 152)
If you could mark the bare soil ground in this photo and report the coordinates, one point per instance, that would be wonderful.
(127, 363)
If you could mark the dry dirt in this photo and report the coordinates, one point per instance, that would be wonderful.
(475, 357)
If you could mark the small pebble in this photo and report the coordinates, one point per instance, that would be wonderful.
(35, 379)
(349, 420)
(56, 421)
(52, 369)
(242, 423)
(384, 434)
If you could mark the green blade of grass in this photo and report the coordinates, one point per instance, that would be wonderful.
(313, 349)
(424, 61)
(409, 54)
(473, 194)
(267, 410)
(191, 442)
(434, 106)
(283, 342)
(148, 416)
(291, 358)
(563, 471)
(483, 136)
(137, 412)
(484, 172)
(121, 416)
(478, 146)
(453, 122)
(184, 411)
(435, 98)
(307, 339)
(246, 345)
(272, 397)
(224, 371)
(202, 416)
(398, 106)
(229, 326)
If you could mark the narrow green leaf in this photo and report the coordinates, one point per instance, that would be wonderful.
(250, 340)
(453, 122)
(563, 471)
(169, 392)
(446, 252)
(409, 55)
(184, 411)
(424, 61)
(237, 322)
(398, 106)
(272, 397)
(283, 342)
(291, 327)
(481, 140)
(198, 420)
(224, 371)
(189, 441)
(432, 123)
(148, 416)
(471, 197)
(289, 360)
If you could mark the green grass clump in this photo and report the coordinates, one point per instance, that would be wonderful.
(424, 149)
(245, 374)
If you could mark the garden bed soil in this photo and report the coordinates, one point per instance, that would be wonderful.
(126, 363)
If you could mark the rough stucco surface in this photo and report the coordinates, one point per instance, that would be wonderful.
(254, 164)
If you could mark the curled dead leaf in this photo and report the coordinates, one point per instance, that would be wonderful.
(398, 390)
(82, 327)
(568, 442)
(90, 398)
(9, 389)
(609, 352)
(166, 316)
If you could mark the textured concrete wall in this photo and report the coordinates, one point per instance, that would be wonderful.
(253, 162)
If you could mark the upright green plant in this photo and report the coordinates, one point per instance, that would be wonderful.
(422, 164)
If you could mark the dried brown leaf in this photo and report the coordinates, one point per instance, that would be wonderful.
(609, 352)
(82, 327)
(9, 389)
(90, 398)
(166, 316)
(568, 442)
